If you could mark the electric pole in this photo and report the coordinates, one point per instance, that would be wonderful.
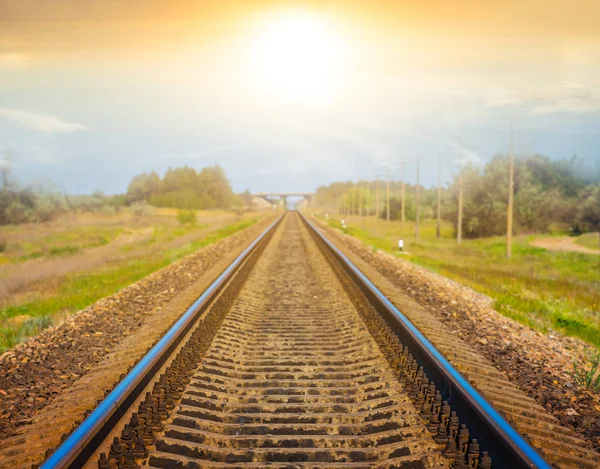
(360, 200)
(347, 204)
(387, 195)
(511, 177)
(368, 199)
(438, 226)
(460, 194)
(403, 204)
(377, 197)
(417, 204)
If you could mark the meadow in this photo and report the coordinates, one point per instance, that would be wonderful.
(589, 240)
(546, 290)
(49, 271)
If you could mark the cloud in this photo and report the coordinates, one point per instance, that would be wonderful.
(41, 122)
(570, 98)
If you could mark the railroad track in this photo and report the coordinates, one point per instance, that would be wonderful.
(293, 359)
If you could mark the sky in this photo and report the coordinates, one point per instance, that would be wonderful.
(289, 95)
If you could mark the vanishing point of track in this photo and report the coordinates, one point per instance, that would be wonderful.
(292, 359)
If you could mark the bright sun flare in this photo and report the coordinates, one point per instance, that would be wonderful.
(297, 56)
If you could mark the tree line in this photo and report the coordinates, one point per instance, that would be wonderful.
(36, 203)
(547, 193)
(183, 188)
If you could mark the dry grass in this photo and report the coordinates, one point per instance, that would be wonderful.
(38, 292)
(38, 257)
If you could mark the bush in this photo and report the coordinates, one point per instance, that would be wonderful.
(34, 326)
(108, 210)
(186, 216)
(141, 209)
(46, 208)
(588, 376)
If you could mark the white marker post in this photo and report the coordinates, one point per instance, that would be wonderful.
(401, 245)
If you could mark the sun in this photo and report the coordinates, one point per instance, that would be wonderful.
(296, 56)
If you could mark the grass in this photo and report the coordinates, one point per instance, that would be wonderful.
(589, 240)
(588, 374)
(61, 243)
(23, 318)
(540, 288)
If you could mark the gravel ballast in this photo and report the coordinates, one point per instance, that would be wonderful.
(35, 372)
(539, 364)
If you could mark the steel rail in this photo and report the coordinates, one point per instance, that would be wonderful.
(90, 431)
(506, 446)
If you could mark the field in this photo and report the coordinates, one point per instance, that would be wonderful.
(589, 240)
(49, 271)
(546, 290)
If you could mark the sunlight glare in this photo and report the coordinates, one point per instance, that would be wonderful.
(296, 57)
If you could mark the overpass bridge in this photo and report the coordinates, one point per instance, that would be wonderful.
(283, 196)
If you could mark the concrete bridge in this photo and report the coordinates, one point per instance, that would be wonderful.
(283, 196)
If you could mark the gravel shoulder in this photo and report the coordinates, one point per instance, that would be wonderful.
(35, 373)
(539, 364)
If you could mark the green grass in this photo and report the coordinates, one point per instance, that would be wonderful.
(540, 288)
(64, 250)
(589, 240)
(80, 290)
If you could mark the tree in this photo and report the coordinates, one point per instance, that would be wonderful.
(246, 198)
(588, 214)
(142, 187)
(215, 186)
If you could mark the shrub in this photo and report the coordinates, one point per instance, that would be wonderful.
(34, 326)
(588, 376)
(186, 216)
(108, 210)
(141, 209)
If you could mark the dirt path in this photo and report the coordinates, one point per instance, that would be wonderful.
(562, 243)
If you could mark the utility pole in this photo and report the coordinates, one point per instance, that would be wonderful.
(403, 198)
(387, 195)
(347, 204)
(460, 194)
(511, 177)
(417, 203)
(377, 197)
(359, 200)
(438, 226)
